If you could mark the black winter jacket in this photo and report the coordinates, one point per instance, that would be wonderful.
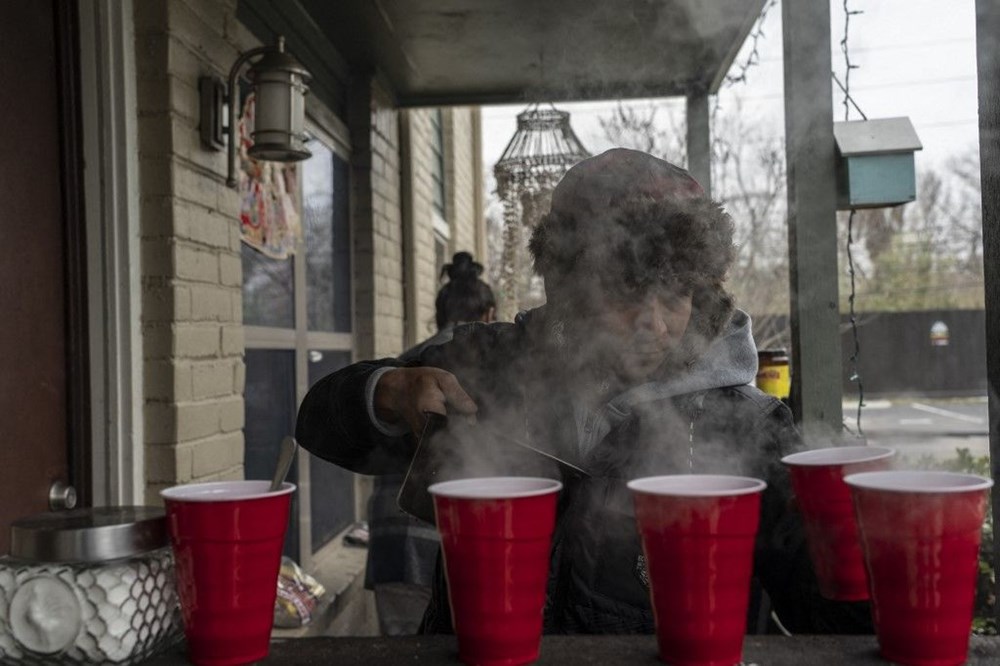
(597, 580)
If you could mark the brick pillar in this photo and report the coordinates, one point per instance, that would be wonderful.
(191, 266)
(378, 233)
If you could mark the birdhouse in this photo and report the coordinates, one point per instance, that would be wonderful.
(875, 162)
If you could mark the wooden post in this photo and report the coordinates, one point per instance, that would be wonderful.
(988, 58)
(812, 221)
(699, 141)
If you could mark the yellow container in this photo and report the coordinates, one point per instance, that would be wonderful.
(773, 374)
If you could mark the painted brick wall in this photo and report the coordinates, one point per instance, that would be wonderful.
(191, 267)
(378, 235)
(461, 170)
(191, 270)
(424, 276)
(462, 164)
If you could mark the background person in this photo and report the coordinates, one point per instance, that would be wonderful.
(402, 550)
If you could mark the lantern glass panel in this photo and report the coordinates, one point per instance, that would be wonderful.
(274, 110)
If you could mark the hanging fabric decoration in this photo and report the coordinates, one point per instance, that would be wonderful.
(542, 149)
(269, 220)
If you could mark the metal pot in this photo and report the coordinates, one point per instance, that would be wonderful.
(449, 450)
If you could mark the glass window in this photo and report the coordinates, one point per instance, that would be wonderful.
(331, 487)
(328, 242)
(268, 290)
(298, 316)
(270, 405)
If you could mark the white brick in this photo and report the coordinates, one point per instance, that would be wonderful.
(234, 473)
(235, 238)
(160, 423)
(196, 420)
(237, 307)
(166, 303)
(212, 380)
(232, 414)
(157, 257)
(171, 423)
(201, 35)
(196, 341)
(157, 340)
(202, 225)
(213, 12)
(231, 270)
(170, 464)
(239, 377)
(167, 380)
(184, 63)
(196, 187)
(218, 454)
(232, 340)
(159, 219)
(192, 263)
(211, 303)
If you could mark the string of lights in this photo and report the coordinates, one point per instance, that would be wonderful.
(753, 58)
(848, 65)
(855, 376)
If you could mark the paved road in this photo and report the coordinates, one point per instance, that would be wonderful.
(918, 427)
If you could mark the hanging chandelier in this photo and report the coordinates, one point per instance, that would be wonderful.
(542, 149)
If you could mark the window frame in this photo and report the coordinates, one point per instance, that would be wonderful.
(439, 168)
(326, 128)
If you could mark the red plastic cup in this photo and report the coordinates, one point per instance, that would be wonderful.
(227, 539)
(496, 534)
(920, 533)
(698, 537)
(828, 514)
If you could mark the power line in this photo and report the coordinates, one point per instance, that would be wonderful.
(905, 46)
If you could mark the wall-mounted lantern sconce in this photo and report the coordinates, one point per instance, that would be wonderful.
(279, 85)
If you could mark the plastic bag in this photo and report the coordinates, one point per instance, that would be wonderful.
(298, 596)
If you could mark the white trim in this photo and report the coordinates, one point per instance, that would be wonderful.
(325, 341)
(268, 337)
(111, 199)
(441, 226)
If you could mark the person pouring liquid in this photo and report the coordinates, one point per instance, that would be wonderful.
(638, 364)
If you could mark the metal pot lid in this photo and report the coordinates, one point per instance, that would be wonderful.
(98, 534)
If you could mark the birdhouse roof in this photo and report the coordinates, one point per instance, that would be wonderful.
(873, 137)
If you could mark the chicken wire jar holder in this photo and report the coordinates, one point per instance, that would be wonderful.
(89, 586)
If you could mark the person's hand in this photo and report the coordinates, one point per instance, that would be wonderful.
(405, 394)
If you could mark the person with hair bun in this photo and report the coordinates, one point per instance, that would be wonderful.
(463, 299)
(402, 550)
(638, 364)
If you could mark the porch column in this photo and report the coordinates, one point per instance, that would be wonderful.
(812, 221)
(699, 141)
(988, 58)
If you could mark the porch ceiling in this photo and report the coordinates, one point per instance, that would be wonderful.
(438, 52)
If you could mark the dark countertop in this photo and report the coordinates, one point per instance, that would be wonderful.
(582, 651)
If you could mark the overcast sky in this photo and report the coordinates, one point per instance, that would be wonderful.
(917, 58)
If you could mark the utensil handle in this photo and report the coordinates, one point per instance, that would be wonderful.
(286, 454)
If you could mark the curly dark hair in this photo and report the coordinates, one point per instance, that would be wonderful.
(685, 244)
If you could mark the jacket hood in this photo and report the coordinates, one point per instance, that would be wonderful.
(730, 360)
